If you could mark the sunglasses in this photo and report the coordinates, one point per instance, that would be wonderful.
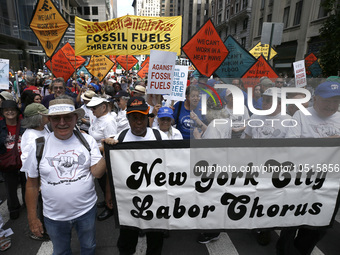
(66, 118)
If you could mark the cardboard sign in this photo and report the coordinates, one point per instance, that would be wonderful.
(4, 73)
(206, 50)
(60, 66)
(262, 49)
(113, 59)
(99, 66)
(128, 35)
(161, 72)
(146, 61)
(48, 25)
(127, 62)
(315, 69)
(310, 60)
(300, 74)
(259, 69)
(76, 61)
(236, 63)
(143, 71)
(179, 83)
(192, 185)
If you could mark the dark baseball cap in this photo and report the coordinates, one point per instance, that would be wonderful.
(137, 104)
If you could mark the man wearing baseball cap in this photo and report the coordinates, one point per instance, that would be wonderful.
(324, 120)
(69, 163)
(137, 113)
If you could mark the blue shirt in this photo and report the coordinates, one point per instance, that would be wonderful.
(183, 121)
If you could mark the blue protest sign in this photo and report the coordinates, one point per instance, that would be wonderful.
(315, 69)
(237, 62)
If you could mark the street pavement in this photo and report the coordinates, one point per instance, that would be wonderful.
(231, 242)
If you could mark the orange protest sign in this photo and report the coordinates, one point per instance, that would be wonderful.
(99, 66)
(145, 69)
(309, 60)
(48, 25)
(127, 61)
(69, 53)
(61, 66)
(260, 68)
(206, 50)
(113, 59)
(146, 61)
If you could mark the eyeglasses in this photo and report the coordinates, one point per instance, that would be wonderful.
(279, 82)
(58, 88)
(66, 118)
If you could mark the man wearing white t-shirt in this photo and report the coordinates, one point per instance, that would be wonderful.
(324, 122)
(65, 175)
(137, 113)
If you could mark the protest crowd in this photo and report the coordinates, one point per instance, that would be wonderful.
(76, 117)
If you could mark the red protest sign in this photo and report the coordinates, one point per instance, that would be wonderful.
(206, 50)
(127, 61)
(146, 61)
(309, 60)
(113, 59)
(61, 66)
(143, 71)
(76, 61)
(259, 69)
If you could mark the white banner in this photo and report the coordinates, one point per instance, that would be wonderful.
(4, 73)
(161, 72)
(219, 187)
(179, 83)
(300, 74)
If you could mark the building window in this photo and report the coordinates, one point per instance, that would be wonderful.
(244, 4)
(286, 17)
(86, 10)
(298, 11)
(243, 42)
(322, 10)
(235, 28)
(94, 10)
(269, 18)
(80, 10)
(219, 18)
(245, 23)
(262, 4)
(227, 15)
(260, 26)
(236, 8)
(95, 20)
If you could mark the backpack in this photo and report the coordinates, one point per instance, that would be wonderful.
(155, 132)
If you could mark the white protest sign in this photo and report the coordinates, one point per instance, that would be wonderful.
(4, 73)
(300, 74)
(174, 185)
(179, 83)
(161, 72)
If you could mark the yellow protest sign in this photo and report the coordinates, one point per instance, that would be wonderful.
(99, 66)
(48, 25)
(262, 49)
(128, 35)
